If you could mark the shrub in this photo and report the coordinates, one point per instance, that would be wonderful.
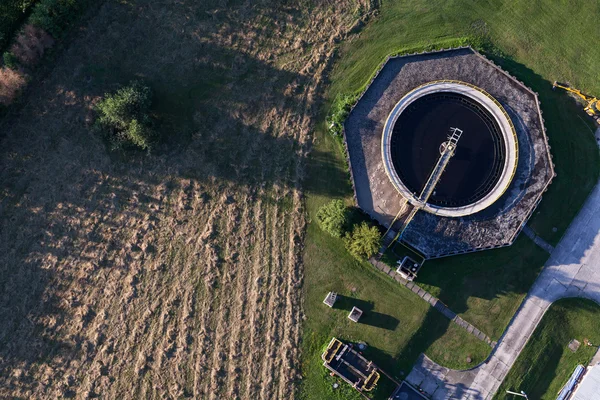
(333, 217)
(10, 61)
(339, 111)
(55, 16)
(364, 241)
(124, 117)
(30, 45)
(11, 82)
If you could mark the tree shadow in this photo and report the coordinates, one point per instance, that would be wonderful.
(432, 328)
(328, 176)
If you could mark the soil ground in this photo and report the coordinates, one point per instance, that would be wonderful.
(174, 274)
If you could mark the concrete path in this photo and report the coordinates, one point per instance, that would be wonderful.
(537, 240)
(573, 270)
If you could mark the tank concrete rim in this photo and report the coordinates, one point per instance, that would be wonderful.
(493, 107)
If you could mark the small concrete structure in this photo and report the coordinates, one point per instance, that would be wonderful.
(408, 268)
(330, 299)
(574, 345)
(355, 314)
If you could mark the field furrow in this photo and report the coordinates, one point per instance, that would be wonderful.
(173, 274)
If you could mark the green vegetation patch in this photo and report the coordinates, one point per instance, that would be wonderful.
(486, 288)
(333, 217)
(56, 16)
(124, 117)
(535, 43)
(364, 241)
(546, 362)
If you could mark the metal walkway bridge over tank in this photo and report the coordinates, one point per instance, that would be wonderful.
(447, 150)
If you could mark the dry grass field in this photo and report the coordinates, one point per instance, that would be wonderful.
(174, 274)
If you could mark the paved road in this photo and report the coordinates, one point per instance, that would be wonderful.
(573, 270)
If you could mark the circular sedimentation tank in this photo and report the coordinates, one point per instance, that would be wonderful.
(483, 163)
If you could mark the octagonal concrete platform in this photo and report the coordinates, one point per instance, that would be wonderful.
(433, 235)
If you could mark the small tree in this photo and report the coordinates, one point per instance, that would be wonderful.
(124, 117)
(364, 241)
(333, 217)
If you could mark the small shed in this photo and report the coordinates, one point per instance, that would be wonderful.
(330, 299)
(355, 314)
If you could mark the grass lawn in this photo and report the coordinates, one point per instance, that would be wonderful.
(486, 287)
(493, 283)
(397, 325)
(546, 363)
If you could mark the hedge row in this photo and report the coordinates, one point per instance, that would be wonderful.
(34, 34)
(53, 17)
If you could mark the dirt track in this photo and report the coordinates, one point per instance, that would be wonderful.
(176, 274)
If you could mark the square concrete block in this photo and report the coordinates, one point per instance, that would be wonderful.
(430, 385)
(416, 377)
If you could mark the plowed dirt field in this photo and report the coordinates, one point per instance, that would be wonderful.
(174, 274)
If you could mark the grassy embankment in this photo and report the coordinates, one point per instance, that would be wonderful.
(537, 45)
(546, 363)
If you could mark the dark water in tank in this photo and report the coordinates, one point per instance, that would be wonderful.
(477, 162)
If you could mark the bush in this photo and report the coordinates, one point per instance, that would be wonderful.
(339, 111)
(364, 241)
(124, 117)
(333, 217)
(30, 45)
(11, 82)
(55, 16)
(10, 61)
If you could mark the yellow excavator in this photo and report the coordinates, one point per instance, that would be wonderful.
(592, 104)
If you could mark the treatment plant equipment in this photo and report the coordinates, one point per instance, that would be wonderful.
(417, 153)
(592, 104)
(435, 201)
(447, 150)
